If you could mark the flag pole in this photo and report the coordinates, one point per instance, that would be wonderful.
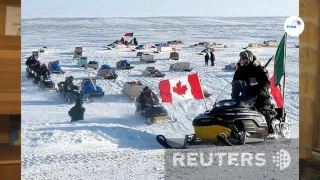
(284, 76)
(205, 103)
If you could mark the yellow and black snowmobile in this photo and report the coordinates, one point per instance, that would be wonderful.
(230, 122)
(151, 110)
(47, 84)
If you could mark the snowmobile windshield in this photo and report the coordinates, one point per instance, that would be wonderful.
(225, 98)
(225, 94)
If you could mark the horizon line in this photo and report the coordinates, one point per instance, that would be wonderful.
(147, 17)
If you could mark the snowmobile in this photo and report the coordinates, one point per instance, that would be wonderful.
(153, 111)
(47, 84)
(70, 94)
(30, 73)
(230, 122)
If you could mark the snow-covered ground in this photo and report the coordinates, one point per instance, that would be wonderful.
(113, 142)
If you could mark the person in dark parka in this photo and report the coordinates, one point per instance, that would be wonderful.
(44, 71)
(212, 58)
(77, 111)
(206, 59)
(252, 80)
(135, 42)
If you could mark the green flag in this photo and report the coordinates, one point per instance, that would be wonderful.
(280, 60)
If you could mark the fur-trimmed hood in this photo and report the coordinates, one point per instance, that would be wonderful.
(256, 61)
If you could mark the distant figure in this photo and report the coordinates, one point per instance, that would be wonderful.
(212, 58)
(135, 42)
(206, 59)
(122, 40)
(77, 111)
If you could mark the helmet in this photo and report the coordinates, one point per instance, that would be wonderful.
(71, 78)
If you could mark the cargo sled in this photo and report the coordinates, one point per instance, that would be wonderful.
(230, 67)
(107, 72)
(181, 66)
(43, 49)
(147, 58)
(123, 64)
(133, 89)
(54, 67)
(93, 64)
(82, 61)
(153, 72)
(77, 52)
(89, 89)
(253, 46)
(174, 55)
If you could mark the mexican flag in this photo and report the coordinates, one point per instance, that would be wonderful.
(280, 60)
(279, 71)
(128, 35)
(181, 89)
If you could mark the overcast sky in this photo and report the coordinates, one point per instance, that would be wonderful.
(152, 8)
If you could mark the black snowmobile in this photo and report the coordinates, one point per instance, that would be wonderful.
(47, 84)
(70, 94)
(29, 72)
(230, 122)
(152, 111)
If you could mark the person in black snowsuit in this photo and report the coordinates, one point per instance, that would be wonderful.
(135, 42)
(206, 59)
(29, 61)
(147, 99)
(212, 58)
(77, 111)
(122, 40)
(252, 80)
(44, 71)
(143, 97)
(68, 84)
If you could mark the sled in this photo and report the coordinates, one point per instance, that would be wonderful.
(54, 67)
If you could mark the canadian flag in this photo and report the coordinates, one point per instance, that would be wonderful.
(181, 89)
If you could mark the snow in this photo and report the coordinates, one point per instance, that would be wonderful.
(113, 141)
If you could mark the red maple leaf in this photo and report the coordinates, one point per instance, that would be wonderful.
(180, 90)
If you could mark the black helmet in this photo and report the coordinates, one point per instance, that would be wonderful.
(71, 78)
(246, 55)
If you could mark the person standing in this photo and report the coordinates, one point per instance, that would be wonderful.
(135, 42)
(77, 111)
(206, 59)
(212, 58)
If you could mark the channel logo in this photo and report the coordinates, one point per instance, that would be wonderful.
(294, 26)
(282, 159)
